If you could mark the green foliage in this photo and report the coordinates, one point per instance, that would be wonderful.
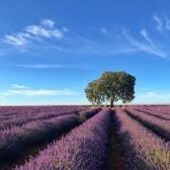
(112, 87)
(94, 92)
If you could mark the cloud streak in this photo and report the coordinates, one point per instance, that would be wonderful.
(43, 66)
(24, 91)
(107, 42)
(144, 33)
(153, 97)
(148, 46)
(46, 29)
(159, 22)
(162, 23)
(48, 23)
(16, 39)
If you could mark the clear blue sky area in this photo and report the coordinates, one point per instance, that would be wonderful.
(51, 49)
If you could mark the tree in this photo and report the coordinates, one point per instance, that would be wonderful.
(94, 92)
(112, 87)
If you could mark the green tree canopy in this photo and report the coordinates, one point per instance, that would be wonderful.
(94, 92)
(112, 87)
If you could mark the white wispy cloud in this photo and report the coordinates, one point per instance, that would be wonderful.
(159, 22)
(103, 46)
(36, 30)
(16, 39)
(46, 29)
(153, 97)
(144, 33)
(148, 47)
(18, 86)
(111, 42)
(22, 90)
(70, 42)
(48, 22)
(162, 23)
(40, 92)
(150, 95)
(117, 42)
(43, 66)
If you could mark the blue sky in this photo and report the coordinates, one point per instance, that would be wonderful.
(50, 50)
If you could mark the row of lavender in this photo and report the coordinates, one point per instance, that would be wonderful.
(159, 108)
(12, 135)
(142, 149)
(157, 123)
(158, 114)
(163, 109)
(85, 147)
(21, 138)
(10, 112)
(17, 116)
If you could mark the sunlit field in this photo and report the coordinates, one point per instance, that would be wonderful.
(85, 137)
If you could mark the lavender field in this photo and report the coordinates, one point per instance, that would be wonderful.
(85, 138)
(84, 85)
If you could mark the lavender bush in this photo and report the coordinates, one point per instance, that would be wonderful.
(12, 135)
(158, 114)
(143, 150)
(24, 115)
(159, 126)
(19, 139)
(85, 147)
(161, 109)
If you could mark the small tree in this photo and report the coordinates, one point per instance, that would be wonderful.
(111, 86)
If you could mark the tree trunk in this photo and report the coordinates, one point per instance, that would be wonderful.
(111, 103)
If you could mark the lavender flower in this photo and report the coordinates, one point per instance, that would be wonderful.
(85, 147)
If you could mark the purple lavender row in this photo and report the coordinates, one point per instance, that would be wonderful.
(16, 141)
(165, 109)
(156, 114)
(159, 126)
(25, 118)
(142, 149)
(13, 135)
(85, 147)
(161, 108)
(43, 116)
(38, 111)
(7, 113)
